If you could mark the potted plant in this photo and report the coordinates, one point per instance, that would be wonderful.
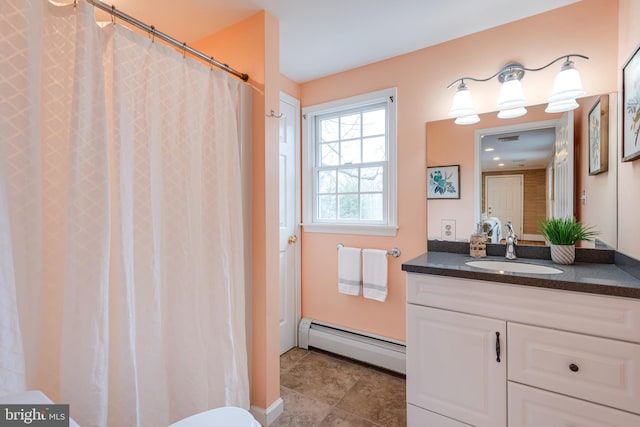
(562, 234)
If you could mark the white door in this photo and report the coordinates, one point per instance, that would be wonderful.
(504, 200)
(457, 366)
(289, 220)
(563, 188)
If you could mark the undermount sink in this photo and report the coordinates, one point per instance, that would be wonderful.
(514, 267)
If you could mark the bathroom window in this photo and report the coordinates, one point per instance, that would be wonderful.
(350, 165)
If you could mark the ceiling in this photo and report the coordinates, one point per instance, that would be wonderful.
(531, 149)
(323, 37)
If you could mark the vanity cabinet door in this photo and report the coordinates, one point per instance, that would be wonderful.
(456, 365)
(418, 417)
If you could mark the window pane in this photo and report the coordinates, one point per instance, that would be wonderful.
(350, 152)
(371, 207)
(373, 149)
(350, 126)
(329, 155)
(348, 206)
(371, 179)
(326, 207)
(329, 130)
(348, 181)
(374, 122)
(327, 181)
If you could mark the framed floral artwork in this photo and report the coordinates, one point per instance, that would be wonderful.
(443, 182)
(631, 108)
(599, 136)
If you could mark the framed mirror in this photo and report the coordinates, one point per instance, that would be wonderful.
(553, 177)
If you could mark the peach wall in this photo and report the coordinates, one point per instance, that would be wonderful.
(628, 172)
(252, 46)
(289, 86)
(449, 144)
(588, 27)
(600, 207)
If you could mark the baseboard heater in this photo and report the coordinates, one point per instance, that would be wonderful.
(373, 349)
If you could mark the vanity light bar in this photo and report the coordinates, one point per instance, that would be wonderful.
(567, 87)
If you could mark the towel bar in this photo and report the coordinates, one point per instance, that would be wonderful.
(394, 252)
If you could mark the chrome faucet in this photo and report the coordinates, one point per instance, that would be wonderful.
(511, 240)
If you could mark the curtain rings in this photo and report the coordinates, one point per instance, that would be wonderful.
(113, 14)
(184, 49)
(152, 33)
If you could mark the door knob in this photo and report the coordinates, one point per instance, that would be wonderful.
(292, 239)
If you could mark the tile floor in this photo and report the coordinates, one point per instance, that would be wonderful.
(325, 390)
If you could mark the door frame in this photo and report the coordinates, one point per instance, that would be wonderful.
(478, 134)
(486, 198)
(284, 97)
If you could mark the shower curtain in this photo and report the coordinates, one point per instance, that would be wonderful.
(121, 239)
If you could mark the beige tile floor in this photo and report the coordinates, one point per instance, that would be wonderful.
(324, 390)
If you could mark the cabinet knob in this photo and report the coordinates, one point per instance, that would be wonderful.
(574, 368)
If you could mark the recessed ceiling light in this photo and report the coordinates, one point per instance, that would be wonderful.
(489, 149)
(496, 158)
(500, 164)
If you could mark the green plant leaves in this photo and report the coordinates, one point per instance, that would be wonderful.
(566, 231)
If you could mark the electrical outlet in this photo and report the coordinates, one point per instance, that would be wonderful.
(448, 229)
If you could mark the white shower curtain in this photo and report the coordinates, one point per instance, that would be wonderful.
(121, 263)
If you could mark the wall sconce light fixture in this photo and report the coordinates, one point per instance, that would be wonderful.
(511, 101)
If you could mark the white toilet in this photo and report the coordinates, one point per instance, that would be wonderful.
(228, 416)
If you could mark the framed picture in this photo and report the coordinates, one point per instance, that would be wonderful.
(443, 182)
(599, 136)
(631, 108)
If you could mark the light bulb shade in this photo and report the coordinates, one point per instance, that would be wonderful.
(561, 106)
(462, 104)
(511, 95)
(567, 84)
(512, 113)
(467, 120)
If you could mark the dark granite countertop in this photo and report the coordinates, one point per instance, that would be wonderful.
(596, 278)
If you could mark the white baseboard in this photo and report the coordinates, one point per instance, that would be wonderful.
(266, 417)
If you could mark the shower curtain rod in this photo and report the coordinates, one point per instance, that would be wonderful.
(155, 33)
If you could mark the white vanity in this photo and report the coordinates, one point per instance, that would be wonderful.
(531, 354)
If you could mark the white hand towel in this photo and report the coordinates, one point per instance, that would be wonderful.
(374, 274)
(349, 271)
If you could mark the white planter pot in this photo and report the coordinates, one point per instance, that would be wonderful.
(563, 254)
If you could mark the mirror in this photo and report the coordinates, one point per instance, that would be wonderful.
(514, 176)
(591, 198)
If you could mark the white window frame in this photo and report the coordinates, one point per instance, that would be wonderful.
(309, 153)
